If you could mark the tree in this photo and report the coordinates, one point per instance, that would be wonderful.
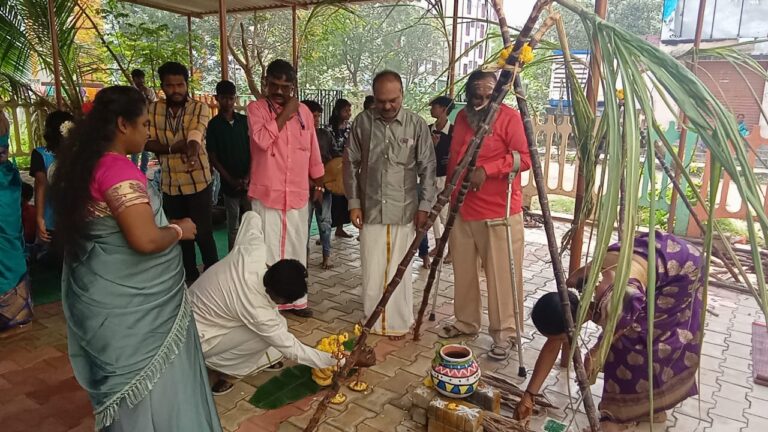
(640, 17)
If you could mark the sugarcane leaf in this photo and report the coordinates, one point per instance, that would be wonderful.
(293, 384)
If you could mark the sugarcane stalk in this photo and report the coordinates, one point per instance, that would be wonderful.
(499, 92)
(557, 265)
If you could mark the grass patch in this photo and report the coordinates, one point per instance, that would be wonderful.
(557, 204)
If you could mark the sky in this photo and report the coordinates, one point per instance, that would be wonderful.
(517, 11)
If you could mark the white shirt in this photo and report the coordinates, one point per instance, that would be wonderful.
(231, 294)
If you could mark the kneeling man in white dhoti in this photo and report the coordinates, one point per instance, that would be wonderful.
(235, 303)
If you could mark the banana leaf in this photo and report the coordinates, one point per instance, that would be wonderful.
(293, 384)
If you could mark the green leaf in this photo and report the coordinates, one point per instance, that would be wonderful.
(293, 384)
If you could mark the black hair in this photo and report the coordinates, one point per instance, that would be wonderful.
(335, 119)
(52, 133)
(547, 313)
(77, 158)
(368, 102)
(137, 73)
(443, 101)
(313, 106)
(476, 76)
(286, 279)
(226, 88)
(387, 74)
(27, 191)
(281, 69)
(172, 68)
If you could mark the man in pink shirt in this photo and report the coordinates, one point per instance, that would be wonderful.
(284, 156)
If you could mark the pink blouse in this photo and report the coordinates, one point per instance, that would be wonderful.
(116, 184)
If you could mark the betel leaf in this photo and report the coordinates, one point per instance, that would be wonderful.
(293, 384)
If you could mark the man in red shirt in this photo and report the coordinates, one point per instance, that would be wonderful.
(472, 237)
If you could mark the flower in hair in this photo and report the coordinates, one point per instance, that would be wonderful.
(66, 128)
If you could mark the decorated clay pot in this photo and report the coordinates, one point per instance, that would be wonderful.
(455, 372)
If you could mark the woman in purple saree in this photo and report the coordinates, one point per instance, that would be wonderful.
(677, 331)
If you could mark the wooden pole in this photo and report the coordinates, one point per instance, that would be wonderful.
(452, 54)
(294, 39)
(223, 50)
(56, 54)
(593, 86)
(189, 46)
(684, 118)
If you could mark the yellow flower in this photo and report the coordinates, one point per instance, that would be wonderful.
(453, 406)
(526, 54)
(427, 381)
(620, 94)
(503, 55)
(343, 337)
(358, 329)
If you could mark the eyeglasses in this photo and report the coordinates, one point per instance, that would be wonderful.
(284, 88)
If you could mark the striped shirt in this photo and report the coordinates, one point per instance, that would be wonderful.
(189, 123)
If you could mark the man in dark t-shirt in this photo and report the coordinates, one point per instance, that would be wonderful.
(229, 149)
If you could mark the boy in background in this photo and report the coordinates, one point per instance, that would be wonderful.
(230, 153)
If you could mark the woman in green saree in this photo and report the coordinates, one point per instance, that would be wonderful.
(132, 340)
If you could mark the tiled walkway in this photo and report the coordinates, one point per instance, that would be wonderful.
(38, 392)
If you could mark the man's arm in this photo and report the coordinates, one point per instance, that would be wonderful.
(316, 167)
(541, 369)
(426, 165)
(270, 326)
(351, 166)
(516, 142)
(262, 128)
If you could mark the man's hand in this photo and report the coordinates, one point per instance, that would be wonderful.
(524, 408)
(42, 231)
(477, 178)
(317, 196)
(356, 216)
(190, 154)
(420, 218)
(291, 107)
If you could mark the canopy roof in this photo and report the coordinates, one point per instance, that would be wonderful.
(198, 8)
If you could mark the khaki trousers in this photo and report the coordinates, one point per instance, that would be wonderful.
(474, 243)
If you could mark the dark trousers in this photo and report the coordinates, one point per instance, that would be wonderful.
(424, 245)
(198, 207)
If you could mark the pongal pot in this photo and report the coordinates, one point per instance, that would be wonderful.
(455, 372)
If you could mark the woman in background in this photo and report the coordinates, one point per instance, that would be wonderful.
(132, 340)
(339, 126)
(40, 168)
(15, 300)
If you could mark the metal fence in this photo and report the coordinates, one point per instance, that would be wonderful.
(326, 98)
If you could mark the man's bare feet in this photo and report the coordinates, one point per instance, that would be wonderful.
(327, 264)
(341, 233)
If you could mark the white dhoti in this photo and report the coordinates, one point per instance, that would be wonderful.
(286, 234)
(382, 247)
(240, 352)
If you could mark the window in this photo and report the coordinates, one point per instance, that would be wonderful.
(466, 46)
(481, 29)
(480, 51)
(483, 10)
(472, 24)
(466, 71)
(469, 6)
(466, 30)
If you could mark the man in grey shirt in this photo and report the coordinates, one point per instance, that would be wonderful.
(389, 177)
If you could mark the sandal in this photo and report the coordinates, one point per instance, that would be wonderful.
(500, 352)
(450, 331)
(222, 387)
(274, 367)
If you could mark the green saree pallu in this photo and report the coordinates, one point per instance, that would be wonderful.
(132, 339)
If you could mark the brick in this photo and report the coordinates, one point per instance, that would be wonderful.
(419, 415)
(684, 423)
(377, 399)
(422, 396)
(467, 418)
(401, 381)
(487, 398)
(728, 409)
(390, 367)
(723, 424)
